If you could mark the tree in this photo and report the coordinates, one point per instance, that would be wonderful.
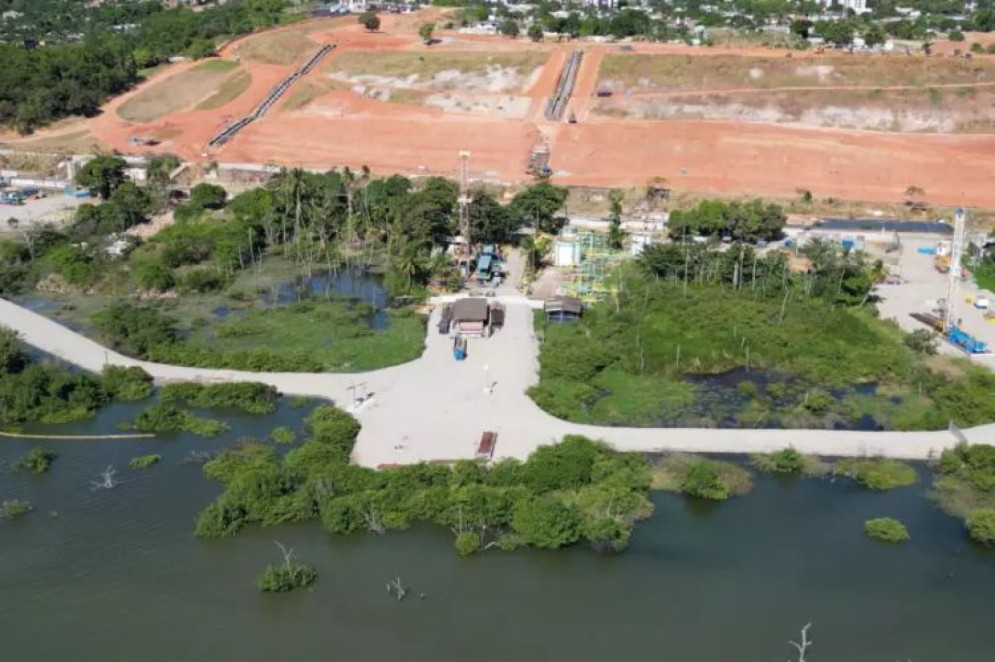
(922, 341)
(955, 35)
(981, 525)
(102, 175)
(615, 233)
(874, 35)
(537, 205)
(547, 523)
(837, 33)
(800, 27)
(208, 196)
(509, 28)
(159, 168)
(704, 482)
(425, 32)
(370, 21)
(535, 32)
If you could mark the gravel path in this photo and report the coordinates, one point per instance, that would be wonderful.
(435, 408)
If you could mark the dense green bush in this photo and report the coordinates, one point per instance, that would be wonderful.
(877, 474)
(144, 461)
(567, 497)
(886, 529)
(163, 417)
(127, 384)
(42, 391)
(972, 463)
(36, 461)
(251, 397)
(134, 329)
(787, 461)
(704, 482)
(981, 526)
(283, 435)
(283, 578)
(547, 523)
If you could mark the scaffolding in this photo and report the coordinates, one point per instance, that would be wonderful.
(589, 279)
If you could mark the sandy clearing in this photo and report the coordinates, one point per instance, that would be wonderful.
(765, 159)
(338, 127)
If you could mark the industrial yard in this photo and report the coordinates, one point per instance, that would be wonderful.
(690, 115)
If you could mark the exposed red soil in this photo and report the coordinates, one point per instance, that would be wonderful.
(340, 128)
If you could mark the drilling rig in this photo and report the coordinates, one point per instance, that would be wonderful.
(464, 250)
(951, 325)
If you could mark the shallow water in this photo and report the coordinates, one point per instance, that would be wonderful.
(118, 575)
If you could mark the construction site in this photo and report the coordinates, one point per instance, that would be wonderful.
(328, 93)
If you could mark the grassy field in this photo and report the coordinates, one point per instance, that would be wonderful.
(717, 72)
(177, 92)
(334, 333)
(401, 64)
(282, 47)
(230, 90)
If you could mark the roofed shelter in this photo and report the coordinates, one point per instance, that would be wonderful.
(563, 308)
(470, 316)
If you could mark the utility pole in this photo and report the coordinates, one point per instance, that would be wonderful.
(464, 208)
(953, 278)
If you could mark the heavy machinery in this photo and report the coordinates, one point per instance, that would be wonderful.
(11, 198)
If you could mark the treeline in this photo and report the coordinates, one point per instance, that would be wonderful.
(41, 83)
(32, 390)
(318, 220)
(574, 491)
(739, 221)
(824, 270)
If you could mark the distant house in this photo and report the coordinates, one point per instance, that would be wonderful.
(563, 309)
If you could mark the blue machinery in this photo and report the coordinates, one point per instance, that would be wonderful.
(966, 341)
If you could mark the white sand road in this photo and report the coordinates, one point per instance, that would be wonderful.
(435, 408)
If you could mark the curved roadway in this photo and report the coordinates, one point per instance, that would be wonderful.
(435, 408)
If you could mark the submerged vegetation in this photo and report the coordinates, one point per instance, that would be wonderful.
(36, 461)
(700, 477)
(162, 417)
(250, 397)
(14, 509)
(144, 461)
(877, 474)
(886, 529)
(576, 490)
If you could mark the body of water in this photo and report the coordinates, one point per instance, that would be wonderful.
(118, 575)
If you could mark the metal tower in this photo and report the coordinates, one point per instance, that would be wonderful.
(953, 278)
(464, 204)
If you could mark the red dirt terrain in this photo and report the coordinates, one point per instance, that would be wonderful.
(335, 126)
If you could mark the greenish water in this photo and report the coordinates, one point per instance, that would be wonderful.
(119, 576)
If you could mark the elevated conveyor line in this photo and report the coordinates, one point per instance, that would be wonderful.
(564, 87)
(274, 95)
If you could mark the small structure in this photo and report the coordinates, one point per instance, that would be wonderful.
(485, 449)
(470, 316)
(563, 308)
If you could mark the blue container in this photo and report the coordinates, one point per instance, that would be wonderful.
(926, 251)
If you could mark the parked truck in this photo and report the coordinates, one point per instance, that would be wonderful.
(11, 198)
